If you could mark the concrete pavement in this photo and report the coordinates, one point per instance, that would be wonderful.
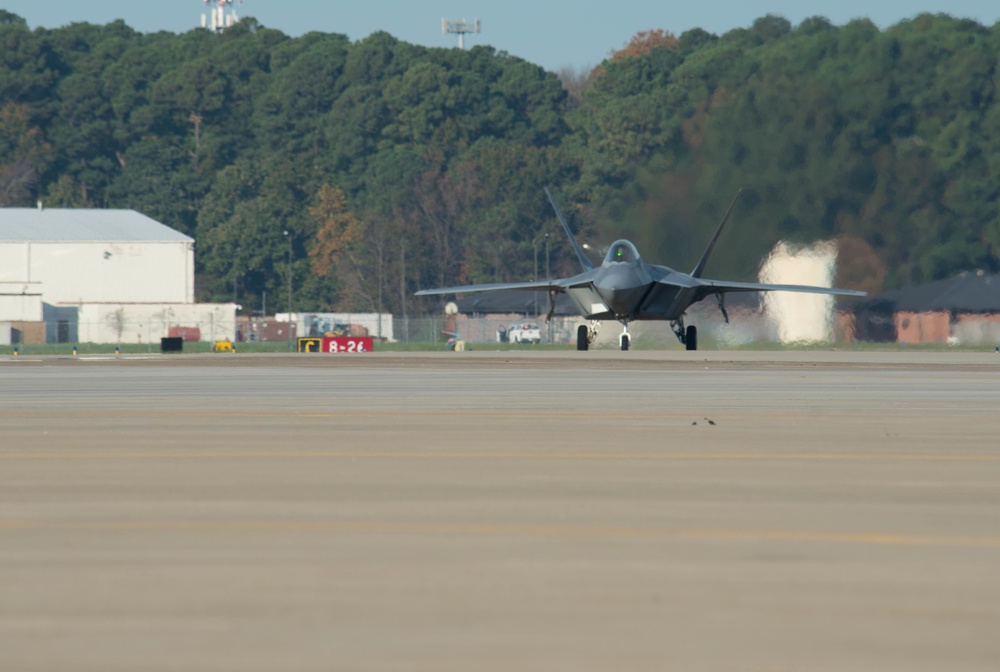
(496, 511)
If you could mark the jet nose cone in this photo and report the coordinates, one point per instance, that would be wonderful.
(624, 302)
(622, 291)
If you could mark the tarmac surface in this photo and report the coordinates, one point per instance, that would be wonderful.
(501, 511)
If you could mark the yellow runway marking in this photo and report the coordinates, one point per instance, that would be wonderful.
(460, 529)
(496, 455)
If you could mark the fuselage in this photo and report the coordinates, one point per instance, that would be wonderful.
(623, 288)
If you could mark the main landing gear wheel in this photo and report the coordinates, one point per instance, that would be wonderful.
(624, 340)
(691, 338)
(582, 338)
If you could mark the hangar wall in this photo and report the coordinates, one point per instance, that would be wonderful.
(102, 276)
(20, 303)
(85, 271)
(148, 323)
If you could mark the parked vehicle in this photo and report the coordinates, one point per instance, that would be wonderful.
(526, 332)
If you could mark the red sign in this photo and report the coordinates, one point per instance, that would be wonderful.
(347, 344)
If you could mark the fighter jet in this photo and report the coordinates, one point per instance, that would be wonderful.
(626, 289)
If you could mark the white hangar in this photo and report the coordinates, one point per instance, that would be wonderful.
(101, 276)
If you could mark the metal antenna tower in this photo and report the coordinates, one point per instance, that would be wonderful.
(218, 18)
(460, 27)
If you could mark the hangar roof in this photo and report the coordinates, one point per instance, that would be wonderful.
(969, 291)
(83, 225)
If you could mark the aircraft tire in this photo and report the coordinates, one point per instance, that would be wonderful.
(581, 338)
(625, 342)
(691, 338)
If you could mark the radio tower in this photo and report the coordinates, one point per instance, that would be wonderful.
(460, 27)
(218, 18)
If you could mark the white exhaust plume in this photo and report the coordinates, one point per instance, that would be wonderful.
(800, 318)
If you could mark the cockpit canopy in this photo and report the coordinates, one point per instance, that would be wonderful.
(621, 251)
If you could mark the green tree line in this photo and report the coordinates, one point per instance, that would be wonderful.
(373, 168)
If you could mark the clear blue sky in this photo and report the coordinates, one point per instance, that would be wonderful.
(551, 33)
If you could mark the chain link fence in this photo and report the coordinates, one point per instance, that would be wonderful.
(145, 335)
(271, 334)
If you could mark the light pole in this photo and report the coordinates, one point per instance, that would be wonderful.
(496, 262)
(236, 275)
(289, 237)
(534, 278)
(548, 276)
(402, 286)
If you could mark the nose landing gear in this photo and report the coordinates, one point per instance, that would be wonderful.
(585, 335)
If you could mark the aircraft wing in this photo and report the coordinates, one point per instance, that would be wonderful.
(462, 289)
(721, 286)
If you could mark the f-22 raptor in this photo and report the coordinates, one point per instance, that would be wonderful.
(626, 289)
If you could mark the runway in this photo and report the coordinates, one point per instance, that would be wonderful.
(501, 510)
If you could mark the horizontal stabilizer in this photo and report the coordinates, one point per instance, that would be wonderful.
(721, 286)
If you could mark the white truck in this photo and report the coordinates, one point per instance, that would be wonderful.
(525, 332)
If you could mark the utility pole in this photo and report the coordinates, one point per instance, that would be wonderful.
(534, 278)
(402, 288)
(380, 246)
(497, 249)
(236, 275)
(402, 276)
(548, 276)
(290, 320)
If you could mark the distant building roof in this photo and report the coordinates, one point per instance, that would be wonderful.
(969, 291)
(80, 225)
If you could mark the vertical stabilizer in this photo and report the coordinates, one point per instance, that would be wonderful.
(587, 265)
(696, 273)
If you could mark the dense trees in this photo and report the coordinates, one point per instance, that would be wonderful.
(832, 132)
(393, 166)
